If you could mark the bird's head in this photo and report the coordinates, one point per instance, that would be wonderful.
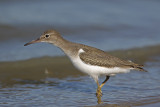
(49, 36)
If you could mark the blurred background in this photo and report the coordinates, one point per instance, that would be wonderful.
(125, 28)
(108, 25)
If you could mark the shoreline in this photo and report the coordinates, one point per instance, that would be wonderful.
(126, 54)
(54, 64)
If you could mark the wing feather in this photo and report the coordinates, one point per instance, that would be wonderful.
(98, 57)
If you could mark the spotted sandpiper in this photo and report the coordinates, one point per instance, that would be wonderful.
(90, 60)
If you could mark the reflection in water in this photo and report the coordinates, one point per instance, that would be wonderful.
(99, 101)
(104, 104)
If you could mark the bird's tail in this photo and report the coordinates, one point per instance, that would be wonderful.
(140, 68)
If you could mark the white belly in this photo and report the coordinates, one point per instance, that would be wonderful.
(96, 71)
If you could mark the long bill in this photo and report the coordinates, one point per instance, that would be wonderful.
(33, 41)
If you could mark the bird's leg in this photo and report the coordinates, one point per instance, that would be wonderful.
(99, 100)
(107, 78)
(98, 92)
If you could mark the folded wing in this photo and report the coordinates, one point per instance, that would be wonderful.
(103, 59)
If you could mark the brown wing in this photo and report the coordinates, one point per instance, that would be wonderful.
(95, 56)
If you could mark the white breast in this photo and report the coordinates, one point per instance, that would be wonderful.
(93, 70)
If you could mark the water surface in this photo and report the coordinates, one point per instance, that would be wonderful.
(40, 75)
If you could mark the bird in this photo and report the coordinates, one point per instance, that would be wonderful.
(89, 60)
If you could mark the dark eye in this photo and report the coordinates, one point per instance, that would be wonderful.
(47, 36)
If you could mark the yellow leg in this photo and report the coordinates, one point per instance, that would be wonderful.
(99, 92)
(99, 95)
(107, 78)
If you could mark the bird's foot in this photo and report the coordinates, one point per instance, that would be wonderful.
(99, 92)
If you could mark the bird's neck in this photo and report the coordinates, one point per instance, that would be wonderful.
(63, 44)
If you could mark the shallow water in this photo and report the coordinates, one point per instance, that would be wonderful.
(45, 82)
(35, 76)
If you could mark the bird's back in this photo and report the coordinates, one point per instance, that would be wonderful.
(98, 57)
